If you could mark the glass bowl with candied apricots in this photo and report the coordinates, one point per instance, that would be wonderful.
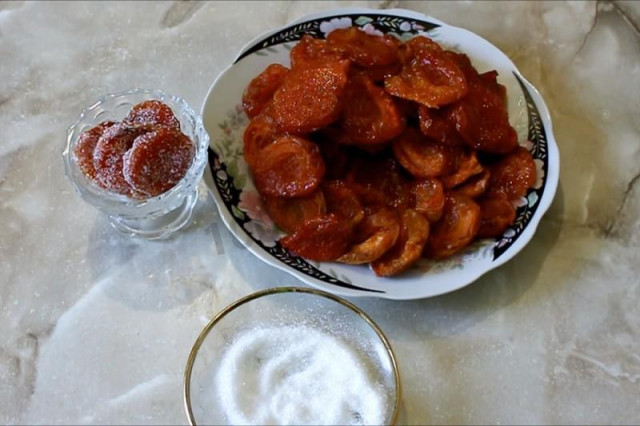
(138, 156)
(379, 153)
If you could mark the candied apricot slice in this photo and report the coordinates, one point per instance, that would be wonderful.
(364, 49)
(310, 98)
(513, 175)
(413, 236)
(429, 77)
(456, 229)
(424, 158)
(469, 166)
(260, 132)
(157, 161)
(376, 234)
(496, 215)
(342, 201)
(481, 118)
(427, 198)
(310, 51)
(378, 181)
(108, 157)
(289, 167)
(152, 112)
(370, 116)
(476, 186)
(322, 238)
(435, 124)
(84, 147)
(261, 89)
(290, 213)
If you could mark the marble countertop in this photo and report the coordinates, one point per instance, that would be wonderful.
(96, 327)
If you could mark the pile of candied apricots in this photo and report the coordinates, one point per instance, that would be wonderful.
(373, 151)
(141, 157)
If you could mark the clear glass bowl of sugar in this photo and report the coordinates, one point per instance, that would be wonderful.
(291, 355)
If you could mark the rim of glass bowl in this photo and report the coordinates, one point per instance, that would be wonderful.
(122, 205)
(279, 290)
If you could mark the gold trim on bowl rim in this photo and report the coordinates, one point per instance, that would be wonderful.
(276, 290)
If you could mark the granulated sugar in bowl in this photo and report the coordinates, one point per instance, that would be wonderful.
(291, 356)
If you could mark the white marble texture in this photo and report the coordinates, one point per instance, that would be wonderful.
(96, 327)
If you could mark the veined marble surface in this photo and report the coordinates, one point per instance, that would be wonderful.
(96, 328)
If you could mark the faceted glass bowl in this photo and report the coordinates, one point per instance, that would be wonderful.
(155, 217)
(286, 307)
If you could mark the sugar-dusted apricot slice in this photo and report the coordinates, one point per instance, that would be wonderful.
(322, 239)
(456, 229)
(157, 161)
(84, 147)
(152, 112)
(496, 215)
(423, 157)
(108, 154)
(261, 89)
(289, 167)
(414, 232)
(370, 116)
(513, 175)
(310, 98)
(290, 213)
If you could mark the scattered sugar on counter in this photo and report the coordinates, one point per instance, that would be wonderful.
(297, 375)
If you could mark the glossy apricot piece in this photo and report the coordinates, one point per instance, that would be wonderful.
(310, 98)
(290, 213)
(469, 166)
(414, 232)
(331, 141)
(157, 161)
(375, 234)
(322, 239)
(309, 52)
(342, 201)
(513, 175)
(435, 124)
(427, 198)
(260, 132)
(456, 229)
(423, 157)
(482, 120)
(289, 167)
(475, 186)
(369, 116)
(364, 49)
(378, 181)
(108, 157)
(496, 215)
(261, 89)
(84, 147)
(152, 112)
(429, 78)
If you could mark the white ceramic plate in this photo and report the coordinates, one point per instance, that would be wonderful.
(239, 203)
